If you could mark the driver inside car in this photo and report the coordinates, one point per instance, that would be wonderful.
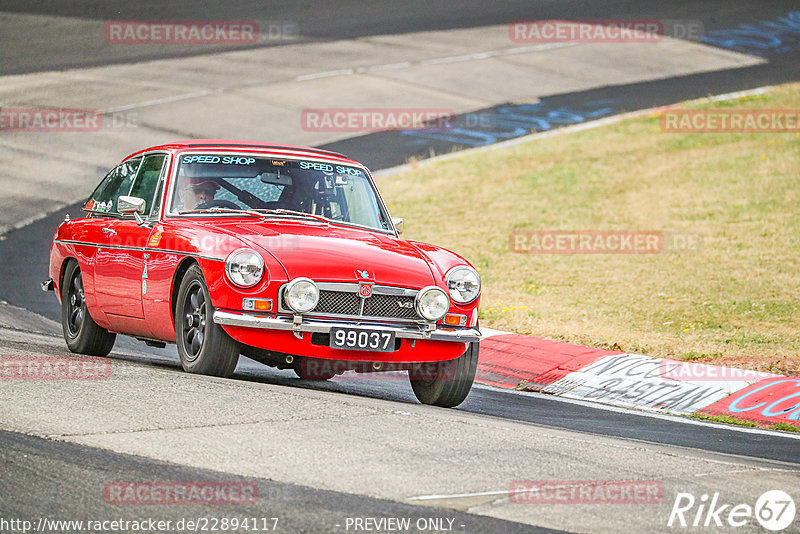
(197, 193)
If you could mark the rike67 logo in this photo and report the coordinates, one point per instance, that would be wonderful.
(774, 510)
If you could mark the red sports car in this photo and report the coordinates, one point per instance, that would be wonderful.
(285, 254)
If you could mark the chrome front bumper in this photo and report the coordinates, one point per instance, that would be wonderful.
(299, 324)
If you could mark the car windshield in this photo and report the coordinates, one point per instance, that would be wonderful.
(219, 184)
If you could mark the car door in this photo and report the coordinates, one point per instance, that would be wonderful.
(102, 214)
(120, 265)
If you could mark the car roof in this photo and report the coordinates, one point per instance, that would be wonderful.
(249, 146)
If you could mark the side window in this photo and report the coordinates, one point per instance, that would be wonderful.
(115, 184)
(147, 180)
(157, 200)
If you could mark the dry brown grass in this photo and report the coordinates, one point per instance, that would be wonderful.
(735, 302)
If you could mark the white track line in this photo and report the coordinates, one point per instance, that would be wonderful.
(357, 70)
(463, 495)
(159, 101)
(475, 56)
(685, 419)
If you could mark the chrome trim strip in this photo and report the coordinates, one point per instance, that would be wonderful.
(371, 318)
(142, 249)
(268, 147)
(376, 289)
(324, 327)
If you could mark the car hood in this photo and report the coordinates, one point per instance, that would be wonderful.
(326, 252)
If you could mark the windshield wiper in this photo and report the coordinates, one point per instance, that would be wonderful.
(224, 210)
(281, 211)
(261, 213)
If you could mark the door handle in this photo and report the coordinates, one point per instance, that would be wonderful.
(109, 231)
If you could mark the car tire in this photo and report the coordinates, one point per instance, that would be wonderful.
(203, 346)
(82, 334)
(450, 384)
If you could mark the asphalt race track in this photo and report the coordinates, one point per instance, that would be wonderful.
(42, 473)
(32, 463)
(532, 408)
(324, 21)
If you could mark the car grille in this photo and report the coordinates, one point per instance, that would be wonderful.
(389, 306)
(338, 302)
(334, 302)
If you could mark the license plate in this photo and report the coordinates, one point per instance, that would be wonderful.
(361, 339)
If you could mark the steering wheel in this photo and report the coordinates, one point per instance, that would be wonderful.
(214, 203)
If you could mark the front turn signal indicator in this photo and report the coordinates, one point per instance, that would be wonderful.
(455, 319)
(257, 304)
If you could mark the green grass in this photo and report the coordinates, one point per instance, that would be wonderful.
(724, 419)
(735, 302)
(786, 427)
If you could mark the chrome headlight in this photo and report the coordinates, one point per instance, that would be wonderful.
(301, 295)
(464, 284)
(432, 303)
(244, 267)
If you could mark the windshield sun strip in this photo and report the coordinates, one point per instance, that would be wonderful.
(171, 213)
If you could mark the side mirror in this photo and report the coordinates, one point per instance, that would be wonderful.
(398, 223)
(131, 206)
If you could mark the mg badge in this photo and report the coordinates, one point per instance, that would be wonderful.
(364, 289)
